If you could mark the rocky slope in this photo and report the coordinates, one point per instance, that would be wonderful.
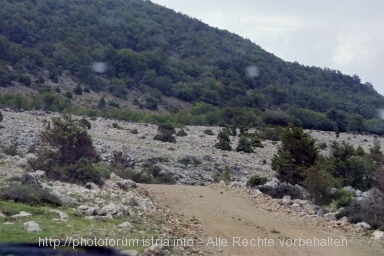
(191, 161)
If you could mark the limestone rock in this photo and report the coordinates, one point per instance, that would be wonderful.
(125, 225)
(87, 210)
(126, 184)
(377, 234)
(22, 214)
(32, 226)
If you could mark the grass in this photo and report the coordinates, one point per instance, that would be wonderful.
(76, 226)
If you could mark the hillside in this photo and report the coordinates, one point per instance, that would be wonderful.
(121, 208)
(139, 55)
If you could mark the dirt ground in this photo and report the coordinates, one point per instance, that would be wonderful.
(236, 226)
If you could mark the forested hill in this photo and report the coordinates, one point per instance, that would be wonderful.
(141, 45)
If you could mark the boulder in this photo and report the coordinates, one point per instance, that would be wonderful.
(87, 210)
(126, 184)
(364, 225)
(63, 199)
(22, 214)
(125, 225)
(114, 210)
(377, 234)
(32, 226)
(273, 183)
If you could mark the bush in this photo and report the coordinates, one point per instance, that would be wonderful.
(256, 142)
(189, 160)
(181, 133)
(86, 89)
(269, 133)
(78, 90)
(281, 191)
(134, 131)
(224, 141)
(83, 122)
(370, 211)
(344, 198)
(28, 194)
(12, 150)
(244, 145)
(227, 177)
(209, 132)
(102, 171)
(165, 134)
(256, 180)
(116, 126)
(1, 116)
(113, 103)
(67, 152)
(69, 95)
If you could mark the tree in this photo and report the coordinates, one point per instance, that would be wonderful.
(101, 104)
(66, 152)
(296, 153)
(224, 141)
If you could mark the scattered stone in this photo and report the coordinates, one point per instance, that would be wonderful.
(22, 214)
(125, 225)
(126, 184)
(32, 226)
(377, 234)
(87, 210)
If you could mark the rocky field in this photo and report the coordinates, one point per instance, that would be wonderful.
(122, 207)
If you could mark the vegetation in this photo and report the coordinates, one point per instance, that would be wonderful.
(227, 177)
(67, 152)
(244, 145)
(164, 53)
(165, 134)
(256, 180)
(224, 141)
(181, 133)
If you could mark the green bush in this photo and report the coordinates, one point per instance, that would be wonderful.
(227, 177)
(134, 131)
(116, 126)
(28, 194)
(244, 145)
(78, 90)
(1, 116)
(344, 198)
(281, 191)
(224, 141)
(70, 152)
(85, 123)
(165, 134)
(102, 171)
(181, 133)
(256, 180)
(69, 95)
(12, 150)
(256, 142)
(209, 132)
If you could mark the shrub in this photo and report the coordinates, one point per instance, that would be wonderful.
(78, 90)
(281, 191)
(344, 198)
(256, 180)
(134, 131)
(165, 134)
(296, 153)
(67, 152)
(28, 194)
(181, 133)
(83, 122)
(12, 150)
(113, 103)
(189, 160)
(57, 89)
(244, 145)
(269, 133)
(224, 141)
(1, 116)
(227, 177)
(86, 89)
(116, 126)
(101, 104)
(370, 211)
(69, 95)
(209, 132)
(256, 142)
(102, 171)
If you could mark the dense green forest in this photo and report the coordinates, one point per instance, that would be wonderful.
(141, 45)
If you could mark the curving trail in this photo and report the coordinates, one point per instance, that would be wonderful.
(227, 215)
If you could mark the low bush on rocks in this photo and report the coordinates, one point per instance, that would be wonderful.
(282, 190)
(28, 194)
(256, 180)
(344, 198)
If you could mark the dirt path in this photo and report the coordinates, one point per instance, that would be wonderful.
(227, 215)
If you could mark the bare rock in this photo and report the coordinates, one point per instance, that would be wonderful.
(32, 226)
(87, 210)
(91, 186)
(130, 253)
(126, 184)
(22, 214)
(377, 234)
(114, 210)
(125, 225)
(63, 216)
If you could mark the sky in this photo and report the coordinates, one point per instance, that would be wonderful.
(343, 35)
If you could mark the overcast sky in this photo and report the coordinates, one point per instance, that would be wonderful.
(344, 35)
